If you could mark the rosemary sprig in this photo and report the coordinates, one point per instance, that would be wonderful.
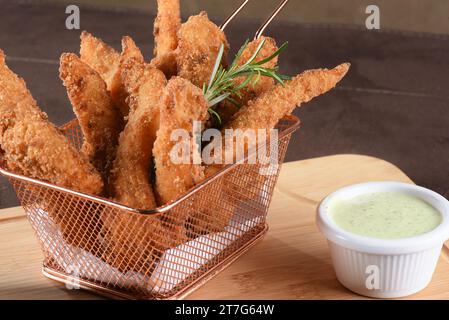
(221, 85)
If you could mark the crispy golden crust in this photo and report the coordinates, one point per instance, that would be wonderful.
(266, 111)
(166, 26)
(130, 180)
(34, 147)
(199, 42)
(181, 104)
(226, 110)
(265, 83)
(118, 91)
(100, 57)
(166, 63)
(270, 107)
(100, 121)
(106, 61)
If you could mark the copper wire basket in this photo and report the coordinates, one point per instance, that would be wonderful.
(95, 244)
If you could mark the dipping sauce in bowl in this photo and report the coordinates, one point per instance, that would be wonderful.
(393, 228)
(385, 215)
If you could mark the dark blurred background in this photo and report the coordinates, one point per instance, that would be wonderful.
(393, 104)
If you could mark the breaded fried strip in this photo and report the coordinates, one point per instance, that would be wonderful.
(130, 51)
(181, 104)
(100, 121)
(199, 42)
(166, 26)
(264, 84)
(33, 146)
(270, 107)
(118, 93)
(266, 111)
(226, 109)
(100, 57)
(166, 63)
(130, 180)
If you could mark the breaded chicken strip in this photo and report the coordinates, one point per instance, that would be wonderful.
(106, 61)
(34, 147)
(129, 51)
(166, 26)
(119, 94)
(264, 84)
(270, 107)
(199, 42)
(182, 103)
(130, 180)
(100, 57)
(100, 121)
(166, 63)
(226, 109)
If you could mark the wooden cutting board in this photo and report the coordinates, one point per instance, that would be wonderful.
(291, 262)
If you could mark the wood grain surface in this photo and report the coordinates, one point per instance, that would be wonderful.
(291, 262)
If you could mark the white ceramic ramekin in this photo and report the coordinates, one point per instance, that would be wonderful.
(382, 268)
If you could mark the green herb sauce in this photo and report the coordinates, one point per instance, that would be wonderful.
(385, 215)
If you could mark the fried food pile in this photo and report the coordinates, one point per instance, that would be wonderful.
(128, 106)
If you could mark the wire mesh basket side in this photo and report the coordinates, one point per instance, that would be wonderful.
(155, 256)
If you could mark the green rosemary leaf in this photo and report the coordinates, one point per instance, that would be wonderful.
(222, 85)
(214, 113)
(244, 83)
(254, 56)
(217, 66)
(218, 99)
(235, 103)
(274, 55)
(239, 54)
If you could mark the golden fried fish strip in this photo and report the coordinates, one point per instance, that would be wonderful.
(182, 103)
(33, 146)
(100, 122)
(166, 26)
(266, 111)
(100, 57)
(199, 42)
(130, 177)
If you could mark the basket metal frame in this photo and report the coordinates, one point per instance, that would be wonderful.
(187, 285)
